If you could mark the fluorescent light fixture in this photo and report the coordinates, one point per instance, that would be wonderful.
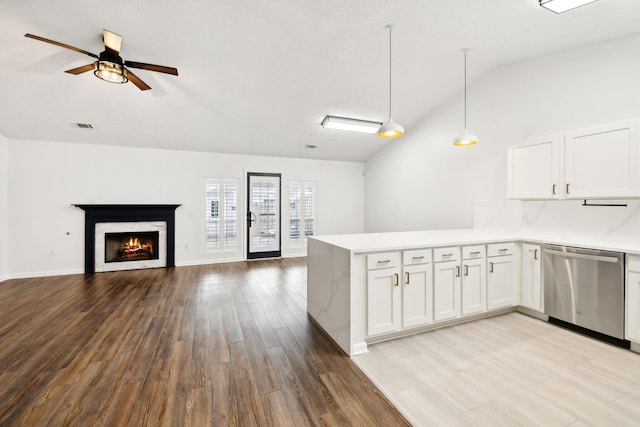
(353, 125)
(559, 6)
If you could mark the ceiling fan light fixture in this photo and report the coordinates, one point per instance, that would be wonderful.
(560, 6)
(111, 72)
(353, 125)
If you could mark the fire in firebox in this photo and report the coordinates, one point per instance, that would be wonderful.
(136, 246)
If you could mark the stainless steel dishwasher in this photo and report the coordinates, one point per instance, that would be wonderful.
(584, 290)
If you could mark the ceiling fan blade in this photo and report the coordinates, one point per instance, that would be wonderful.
(111, 40)
(82, 69)
(66, 46)
(136, 81)
(152, 67)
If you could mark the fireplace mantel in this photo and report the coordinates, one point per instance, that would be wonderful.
(123, 213)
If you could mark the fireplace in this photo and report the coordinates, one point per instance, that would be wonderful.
(127, 237)
(128, 246)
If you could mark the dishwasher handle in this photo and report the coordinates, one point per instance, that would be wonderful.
(602, 258)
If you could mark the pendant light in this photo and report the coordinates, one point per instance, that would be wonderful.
(390, 129)
(465, 138)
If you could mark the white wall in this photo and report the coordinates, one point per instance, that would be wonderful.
(46, 178)
(4, 207)
(421, 181)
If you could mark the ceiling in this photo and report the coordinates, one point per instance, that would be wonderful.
(257, 77)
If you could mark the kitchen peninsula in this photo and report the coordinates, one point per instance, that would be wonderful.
(365, 288)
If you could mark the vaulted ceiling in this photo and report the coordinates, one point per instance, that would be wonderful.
(257, 77)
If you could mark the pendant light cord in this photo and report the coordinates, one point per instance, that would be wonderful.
(389, 27)
(465, 89)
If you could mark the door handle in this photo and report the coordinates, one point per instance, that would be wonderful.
(466, 270)
(490, 267)
(535, 254)
(457, 271)
(406, 277)
(553, 189)
(567, 188)
(396, 279)
(251, 217)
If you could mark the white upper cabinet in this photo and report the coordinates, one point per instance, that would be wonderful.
(596, 162)
(534, 169)
(602, 161)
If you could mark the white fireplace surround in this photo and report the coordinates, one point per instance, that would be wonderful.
(102, 228)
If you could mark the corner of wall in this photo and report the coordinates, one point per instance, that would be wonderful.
(4, 207)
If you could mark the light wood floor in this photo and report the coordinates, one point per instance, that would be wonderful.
(226, 344)
(506, 371)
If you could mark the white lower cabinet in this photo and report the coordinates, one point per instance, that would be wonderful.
(446, 283)
(501, 277)
(474, 280)
(383, 293)
(531, 291)
(417, 288)
(632, 303)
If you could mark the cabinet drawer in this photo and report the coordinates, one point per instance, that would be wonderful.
(446, 254)
(418, 256)
(470, 252)
(497, 249)
(633, 263)
(383, 260)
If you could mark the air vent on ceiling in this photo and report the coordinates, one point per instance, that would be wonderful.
(310, 146)
(82, 125)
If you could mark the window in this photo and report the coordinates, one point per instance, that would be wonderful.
(302, 211)
(221, 214)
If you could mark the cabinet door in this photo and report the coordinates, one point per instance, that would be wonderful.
(533, 169)
(446, 290)
(500, 282)
(383, 301)
(417, 295)
(531, 277)
(474, 299)
(602, 161)
(632, 329)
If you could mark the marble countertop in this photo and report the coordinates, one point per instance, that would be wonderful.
(376, 242)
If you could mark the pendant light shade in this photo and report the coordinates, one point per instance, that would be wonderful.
(465, 138)
(390, 129)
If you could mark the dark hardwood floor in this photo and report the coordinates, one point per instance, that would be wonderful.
(223, 344)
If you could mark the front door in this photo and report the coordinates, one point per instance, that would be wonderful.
(263, 215)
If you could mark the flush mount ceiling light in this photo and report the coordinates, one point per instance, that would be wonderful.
(390, 129)
(465, 138)
(559, 6)
(353, 125)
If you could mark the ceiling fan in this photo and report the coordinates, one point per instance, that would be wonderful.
(110, 66)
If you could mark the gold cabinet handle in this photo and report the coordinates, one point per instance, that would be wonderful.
(490, 267)
(535, 254)
(396, 279)
(406, 278)
(466, 270)
(457, 271)
(553, 189)
(417, 258)
(384, 261)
